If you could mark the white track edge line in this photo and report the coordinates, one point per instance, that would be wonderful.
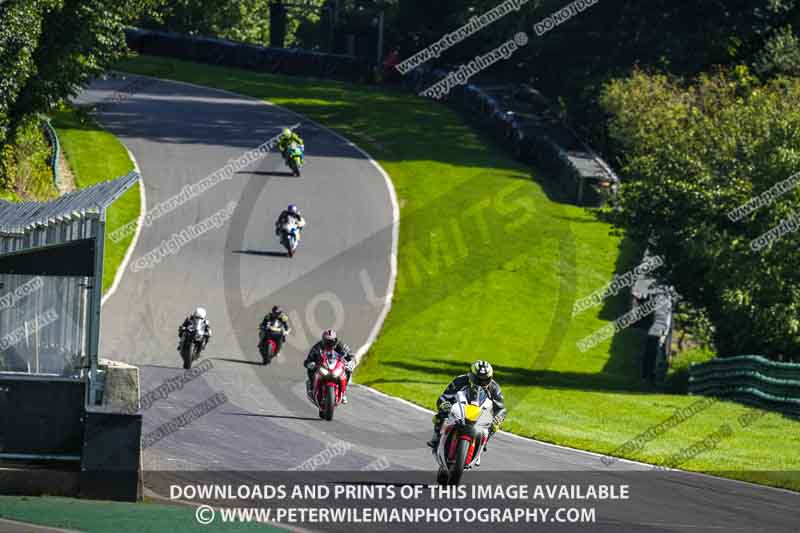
(123, 266)
(373, 335)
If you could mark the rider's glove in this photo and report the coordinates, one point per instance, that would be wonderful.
(311, 365)
(496, 421)
(445, 407)
(350, 365)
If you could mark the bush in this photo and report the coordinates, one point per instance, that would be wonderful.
(694, 152)
(25, 164)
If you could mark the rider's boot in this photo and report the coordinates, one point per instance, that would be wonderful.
(434, 442)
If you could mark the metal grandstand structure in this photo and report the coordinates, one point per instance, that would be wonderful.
(51, 271)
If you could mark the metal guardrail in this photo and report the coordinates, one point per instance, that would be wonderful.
(52, 136)
(751, 379)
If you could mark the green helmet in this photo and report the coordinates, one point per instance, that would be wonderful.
(286, 132)
(480, 374)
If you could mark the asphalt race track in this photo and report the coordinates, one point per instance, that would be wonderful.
(179, 134)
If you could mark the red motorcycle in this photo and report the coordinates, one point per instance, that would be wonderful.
(330, 382)
(271, 340)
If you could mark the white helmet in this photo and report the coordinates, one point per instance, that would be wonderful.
(200, 312)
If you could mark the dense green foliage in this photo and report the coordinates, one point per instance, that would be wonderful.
(25, 163)
(49, 49)
(695, 153)
(238, 20)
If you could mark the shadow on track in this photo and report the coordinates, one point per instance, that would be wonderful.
(288, 417)
(265, 253)
(240, 361)
(263, 173)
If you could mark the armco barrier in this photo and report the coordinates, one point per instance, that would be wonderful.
(521, 119)
(516, 116)
(751, 379)
(52, 137)
(659, 325)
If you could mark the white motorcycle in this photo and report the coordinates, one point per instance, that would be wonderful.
(290, 236)
(464, 434)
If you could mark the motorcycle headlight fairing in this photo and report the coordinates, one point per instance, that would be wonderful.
(472, 413)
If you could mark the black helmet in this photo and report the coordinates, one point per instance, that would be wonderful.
(480, 374)
(276, 310)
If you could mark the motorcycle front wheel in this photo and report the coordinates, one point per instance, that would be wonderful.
(270, 352)
(330, 403)
(457, 470)
(186, 355)
(196, 349)
(295, 167)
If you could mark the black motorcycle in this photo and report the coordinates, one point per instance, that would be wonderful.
(271, 340)
(193, 341)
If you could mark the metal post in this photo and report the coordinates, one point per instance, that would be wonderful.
(36, 340)
(379, 62)
(96, 298)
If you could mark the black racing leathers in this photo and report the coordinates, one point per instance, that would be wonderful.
(316, 352)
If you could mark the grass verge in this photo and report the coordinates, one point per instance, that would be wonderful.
(101, 517)
(490, 263)
(94, 155)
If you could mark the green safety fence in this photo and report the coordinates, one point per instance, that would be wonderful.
(750, 379)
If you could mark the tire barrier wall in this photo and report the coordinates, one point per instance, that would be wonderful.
(294, 62)
(750, 379)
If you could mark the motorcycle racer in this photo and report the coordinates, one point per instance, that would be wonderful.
(290, 213)
(479, 376)
(275, 314)
(200, 313)
(329, 341)
(287, 138)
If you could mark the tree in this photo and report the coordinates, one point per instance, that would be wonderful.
(20, 30)
(50, 49)
(693, 153)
